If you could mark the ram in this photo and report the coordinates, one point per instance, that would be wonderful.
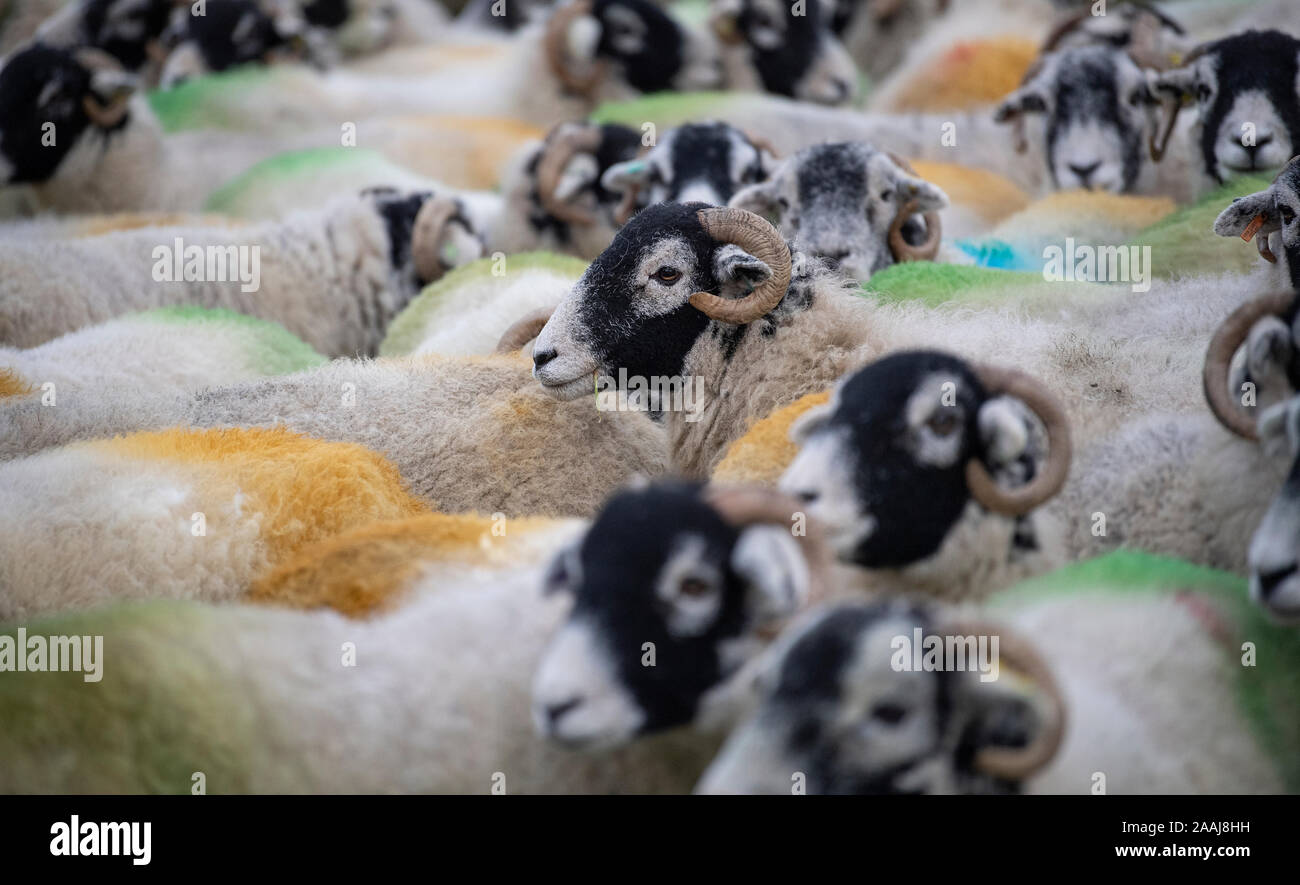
(850, 205)
(334, 278)
(168, 350)
(772, 46)
(1128, 666)
(661, 303)
(466, 433)
(74, 138)
(414, 714)
(1246, 88)
(178, 514)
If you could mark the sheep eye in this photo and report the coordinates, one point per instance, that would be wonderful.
(693, 588)
(667, 275)
(1203, 92)
(1287, 214)
(890, 714)
(886, 196)
(944, 423)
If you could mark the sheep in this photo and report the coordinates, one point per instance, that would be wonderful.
(1246, 88)
(364, 256)
(850, 205)
(418, 719)
(703, 162)
(229, 33)
(178, 513)
(1269, 217)
(1272, 552)
(587, 52)
(169, 350)
(1128, 665)
(110, 154)
(466, 433)
(633, 314)
(128, 30)
(769, 45)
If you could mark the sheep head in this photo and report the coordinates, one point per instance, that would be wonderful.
(1269, 218)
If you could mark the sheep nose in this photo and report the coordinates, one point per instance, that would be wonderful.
(1269, 581)
(806, 496)
(1085, 172)
(541, 358)
(554, 712)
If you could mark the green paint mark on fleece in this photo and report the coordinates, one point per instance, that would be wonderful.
(933, 283)
(270, 348)
(193, 104)
(226, 200)
(1185, 244)
(168, 705)
(1269, 693)
(408, 328)
(667, 108)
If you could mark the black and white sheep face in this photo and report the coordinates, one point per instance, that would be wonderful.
(122, 28)
(428, 234)
(651, 50)
(230, 33)
(631, 310)
(839, 201)
(883, 465)
(579, 187)
(46, 99)
(837, 716)
(1274, 556)
(694, 163)
(791, 46)
(1247, 92)
(666, 599)
(1277, 209)
(1095, 107)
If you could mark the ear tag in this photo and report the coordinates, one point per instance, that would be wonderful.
(636, 167)
(1253, 228)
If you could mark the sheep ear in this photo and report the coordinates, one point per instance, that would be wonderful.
(733, 265)
(1025, 100)
(1004, 431)
(927, 196)
(624, 176)
(1176, 84)
(1269, 348)
(757, 198)
(1241, 212)
(769, 559)
(810, 422)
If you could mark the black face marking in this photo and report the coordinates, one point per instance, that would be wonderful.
(1086, 89)
(652, 67)
(617, 144)
(833, 176)
(233, 32)
(702, 152)
(1264, 61)
(914, 505)
(123, 28)
(40, 85)
(646, 346)
(326, 13)
(782, 67)
(629, 543)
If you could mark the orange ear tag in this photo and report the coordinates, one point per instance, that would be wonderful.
(1253, 228)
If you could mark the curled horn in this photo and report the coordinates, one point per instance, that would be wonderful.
(524, 329)
(758, 238)
(553, 44)
(899, 247)
(556, 154)
(1019, 501)
(755, 505)
(1018, 763)
(105, 116)
(1218, 358)
(627, 206)
(426, 236)
(762, 144)
(1064, 28)
(1170, 109)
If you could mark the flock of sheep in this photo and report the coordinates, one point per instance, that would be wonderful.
(837, 396)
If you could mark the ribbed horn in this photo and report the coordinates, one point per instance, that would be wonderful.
(758, 238)
(524, 329)
(899, 247)
(1017, 653)
(105, 116)
(426, 237)
(554, 42)
(1218, 358)
(1169, 114)
(1019, 501)
(557, 151)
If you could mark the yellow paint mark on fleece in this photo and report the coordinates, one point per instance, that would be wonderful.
(765, 451)
(97, 225)
(466, 151)
(1085, 215)
(971, 74)
(373, 568)
(12, 384)
(305, 489)
(988, 194)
